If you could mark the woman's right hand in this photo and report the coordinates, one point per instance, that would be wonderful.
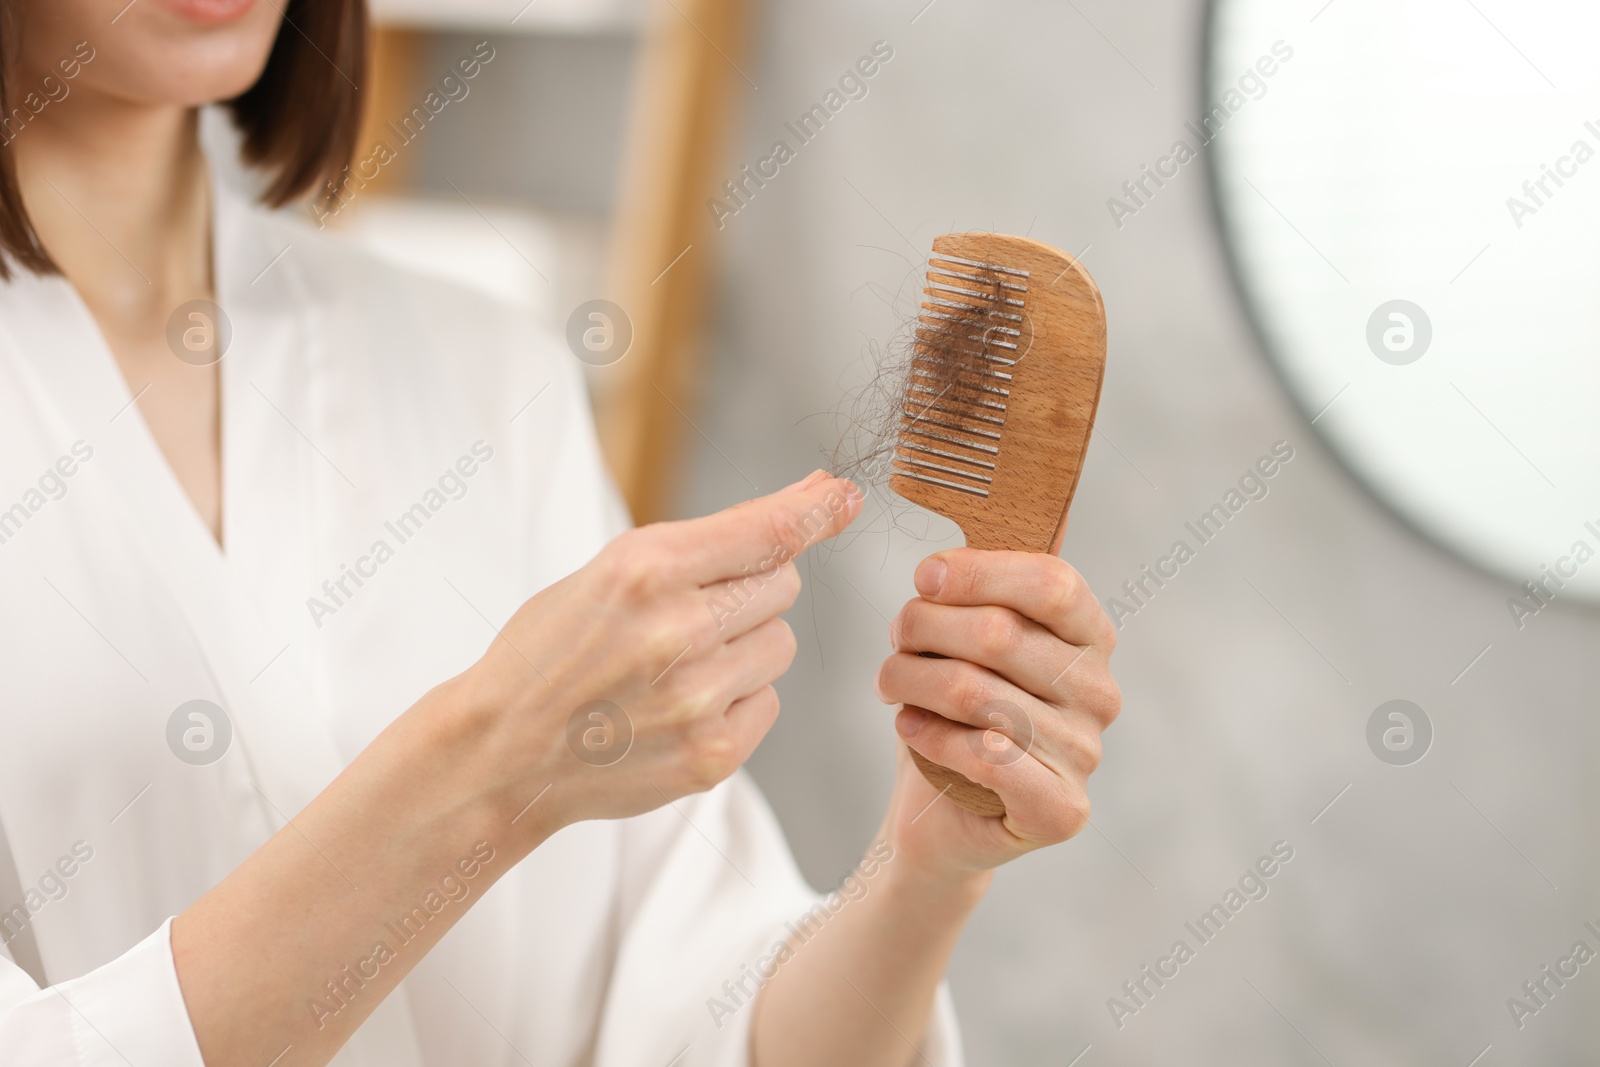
(675, 626)
(646, 675)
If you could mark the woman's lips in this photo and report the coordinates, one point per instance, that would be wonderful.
(210, 12)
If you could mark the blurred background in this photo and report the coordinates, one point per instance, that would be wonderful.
(1443, 849)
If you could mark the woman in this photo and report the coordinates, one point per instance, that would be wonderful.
(263, 502)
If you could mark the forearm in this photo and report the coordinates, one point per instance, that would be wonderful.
(871, 972)
(301, 942)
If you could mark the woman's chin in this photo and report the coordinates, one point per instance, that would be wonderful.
(185, 52)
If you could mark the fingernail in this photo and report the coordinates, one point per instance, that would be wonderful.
(909, 721)
(852, 490)
(930, 577)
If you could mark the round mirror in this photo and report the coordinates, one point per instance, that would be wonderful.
(1410, 195)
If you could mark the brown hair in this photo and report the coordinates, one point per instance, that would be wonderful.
(299, 120)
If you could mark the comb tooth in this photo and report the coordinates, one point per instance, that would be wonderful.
(989, 290)
(941, 285)
(945, 454)
(919, 411)
(924, 394)
(934, 322)
(949, 296)
(924, 389)
(934, 318)
(969, 301)
(992, 397)
(923, 417)
(940, 313)
(994, 372)
(933, 348)
(924, 411)
(910, 427)
(969, 387)
(988, 273)
(933, 327)
(925, 367)
(943, 467)
(975, 284)
(952, 341)
(996, 267)
(928, 479)
(978, 416)
(961, 275)
(914, 406)
(991, 378)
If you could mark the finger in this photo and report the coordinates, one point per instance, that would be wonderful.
(1041, 806)
(699, 621)
(1043, 588)
(1018, 649)
(705, 687)
(759, 534)
(1065, 740)
(739, 605)
(1013, 646)
(750, 717)
(957, 690)
(715, 748)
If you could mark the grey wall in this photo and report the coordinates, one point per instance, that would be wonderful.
(1426, 895)
(541, 124)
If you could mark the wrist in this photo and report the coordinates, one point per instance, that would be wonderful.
(927, 890)
(451, 747)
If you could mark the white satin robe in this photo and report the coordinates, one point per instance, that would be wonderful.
(349, 391)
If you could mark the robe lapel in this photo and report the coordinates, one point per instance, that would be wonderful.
(288, 749)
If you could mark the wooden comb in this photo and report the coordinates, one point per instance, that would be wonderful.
(1007, 358)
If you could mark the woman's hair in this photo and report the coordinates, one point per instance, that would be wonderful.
(299, 120)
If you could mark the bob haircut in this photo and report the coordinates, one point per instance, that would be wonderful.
(300, 119)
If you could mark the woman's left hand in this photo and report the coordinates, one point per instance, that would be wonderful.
(1018, 704)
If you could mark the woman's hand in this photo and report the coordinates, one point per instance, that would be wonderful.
(1018, 705)
(647, 674)
(664, 649)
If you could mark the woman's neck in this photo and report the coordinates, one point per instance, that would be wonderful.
(120, 199)
(119, 196)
